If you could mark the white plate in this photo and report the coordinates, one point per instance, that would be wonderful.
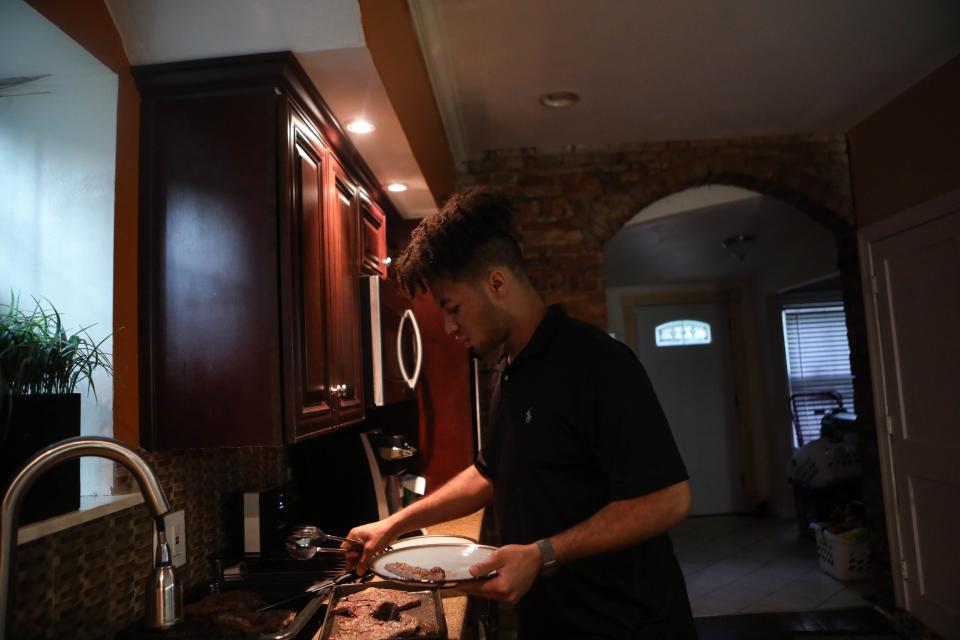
(419, 541)
(454, 559)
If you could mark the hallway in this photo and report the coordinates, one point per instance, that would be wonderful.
(740, 564)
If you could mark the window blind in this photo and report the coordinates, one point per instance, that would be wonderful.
(818, 361)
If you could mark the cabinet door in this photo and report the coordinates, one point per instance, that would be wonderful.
(313, 400)
(210, 341)
(373, 232)
(343, 264)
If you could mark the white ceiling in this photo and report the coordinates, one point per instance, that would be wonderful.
(326, 36)
(652, 70)
(690, 199)
(685, 246)
(31, 46)
(171, 30)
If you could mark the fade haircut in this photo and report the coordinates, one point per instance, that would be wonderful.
(471, 233)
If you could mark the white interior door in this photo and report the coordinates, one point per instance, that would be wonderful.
(697, 389)
(917, 312)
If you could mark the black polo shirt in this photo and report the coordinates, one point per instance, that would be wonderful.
(574, 425)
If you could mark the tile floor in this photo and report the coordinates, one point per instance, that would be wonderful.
(740, 564)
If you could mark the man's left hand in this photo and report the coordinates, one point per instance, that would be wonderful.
(517, 567)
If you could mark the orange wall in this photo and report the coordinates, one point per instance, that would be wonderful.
(392, 41)
(89, 24)
(909, 151)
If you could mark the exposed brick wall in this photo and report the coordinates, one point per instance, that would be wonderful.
(87, 582)
(569, 202)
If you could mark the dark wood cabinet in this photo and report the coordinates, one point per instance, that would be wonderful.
(252, 238)
(373, 231)
(308, 397)
(343, 294)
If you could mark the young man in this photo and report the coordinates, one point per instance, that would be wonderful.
(581, 468)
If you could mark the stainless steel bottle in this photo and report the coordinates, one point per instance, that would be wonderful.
(164, 592)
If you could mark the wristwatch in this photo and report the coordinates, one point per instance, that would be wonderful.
(549, 556)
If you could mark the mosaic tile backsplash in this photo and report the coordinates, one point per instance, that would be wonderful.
(87, 582)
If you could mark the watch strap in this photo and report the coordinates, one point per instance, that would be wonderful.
(549, 557)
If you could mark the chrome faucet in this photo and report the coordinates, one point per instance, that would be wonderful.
(164, 596)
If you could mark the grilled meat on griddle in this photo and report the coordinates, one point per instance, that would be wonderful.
(224, 601)
(369, 628)
(237, 611)
(253, 621)
(374, 614)
(366, 601)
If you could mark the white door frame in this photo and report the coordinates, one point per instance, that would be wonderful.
(866, 237)
(744, 359)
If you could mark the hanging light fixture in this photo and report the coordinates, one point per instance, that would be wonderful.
(739, 245)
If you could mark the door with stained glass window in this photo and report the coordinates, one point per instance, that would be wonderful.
(685, 349)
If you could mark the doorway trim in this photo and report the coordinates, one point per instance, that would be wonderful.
(746, 362)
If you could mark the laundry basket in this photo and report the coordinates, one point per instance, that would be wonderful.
(845, 556)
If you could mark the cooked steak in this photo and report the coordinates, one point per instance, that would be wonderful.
(254, 622)
(369, 628)
(361, 615)
(236, 611)
(410, 572)
(226, 601)
(366, 601)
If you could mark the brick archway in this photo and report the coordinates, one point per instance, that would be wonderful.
(570, 202)
(848, 264)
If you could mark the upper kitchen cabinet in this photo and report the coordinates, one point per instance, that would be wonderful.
(309, 395)
(373, 230)
(257, 217)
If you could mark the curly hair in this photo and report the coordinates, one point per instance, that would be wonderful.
(472, 232)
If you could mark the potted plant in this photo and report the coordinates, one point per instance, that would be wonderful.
(41, 365)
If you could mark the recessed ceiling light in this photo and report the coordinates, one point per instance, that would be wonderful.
(396, 187)
(559, 99)
(360, 126)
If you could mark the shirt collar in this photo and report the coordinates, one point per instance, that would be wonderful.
(542, 336)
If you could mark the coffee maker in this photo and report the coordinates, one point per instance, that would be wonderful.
(389, 457)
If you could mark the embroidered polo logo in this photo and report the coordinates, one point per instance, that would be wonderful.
(529, 417)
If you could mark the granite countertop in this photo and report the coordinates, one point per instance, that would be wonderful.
(454, 602)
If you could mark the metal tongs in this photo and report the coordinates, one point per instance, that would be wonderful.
(305, 542)
(315, 589)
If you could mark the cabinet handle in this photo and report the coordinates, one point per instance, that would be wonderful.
(339, 391)
(336, 396)
(410, 379)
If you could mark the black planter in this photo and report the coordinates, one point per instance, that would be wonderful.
(37, 421)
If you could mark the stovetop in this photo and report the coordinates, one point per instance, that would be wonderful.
(273, 579)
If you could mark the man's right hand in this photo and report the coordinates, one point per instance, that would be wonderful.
(374, 536)
(461, 496)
